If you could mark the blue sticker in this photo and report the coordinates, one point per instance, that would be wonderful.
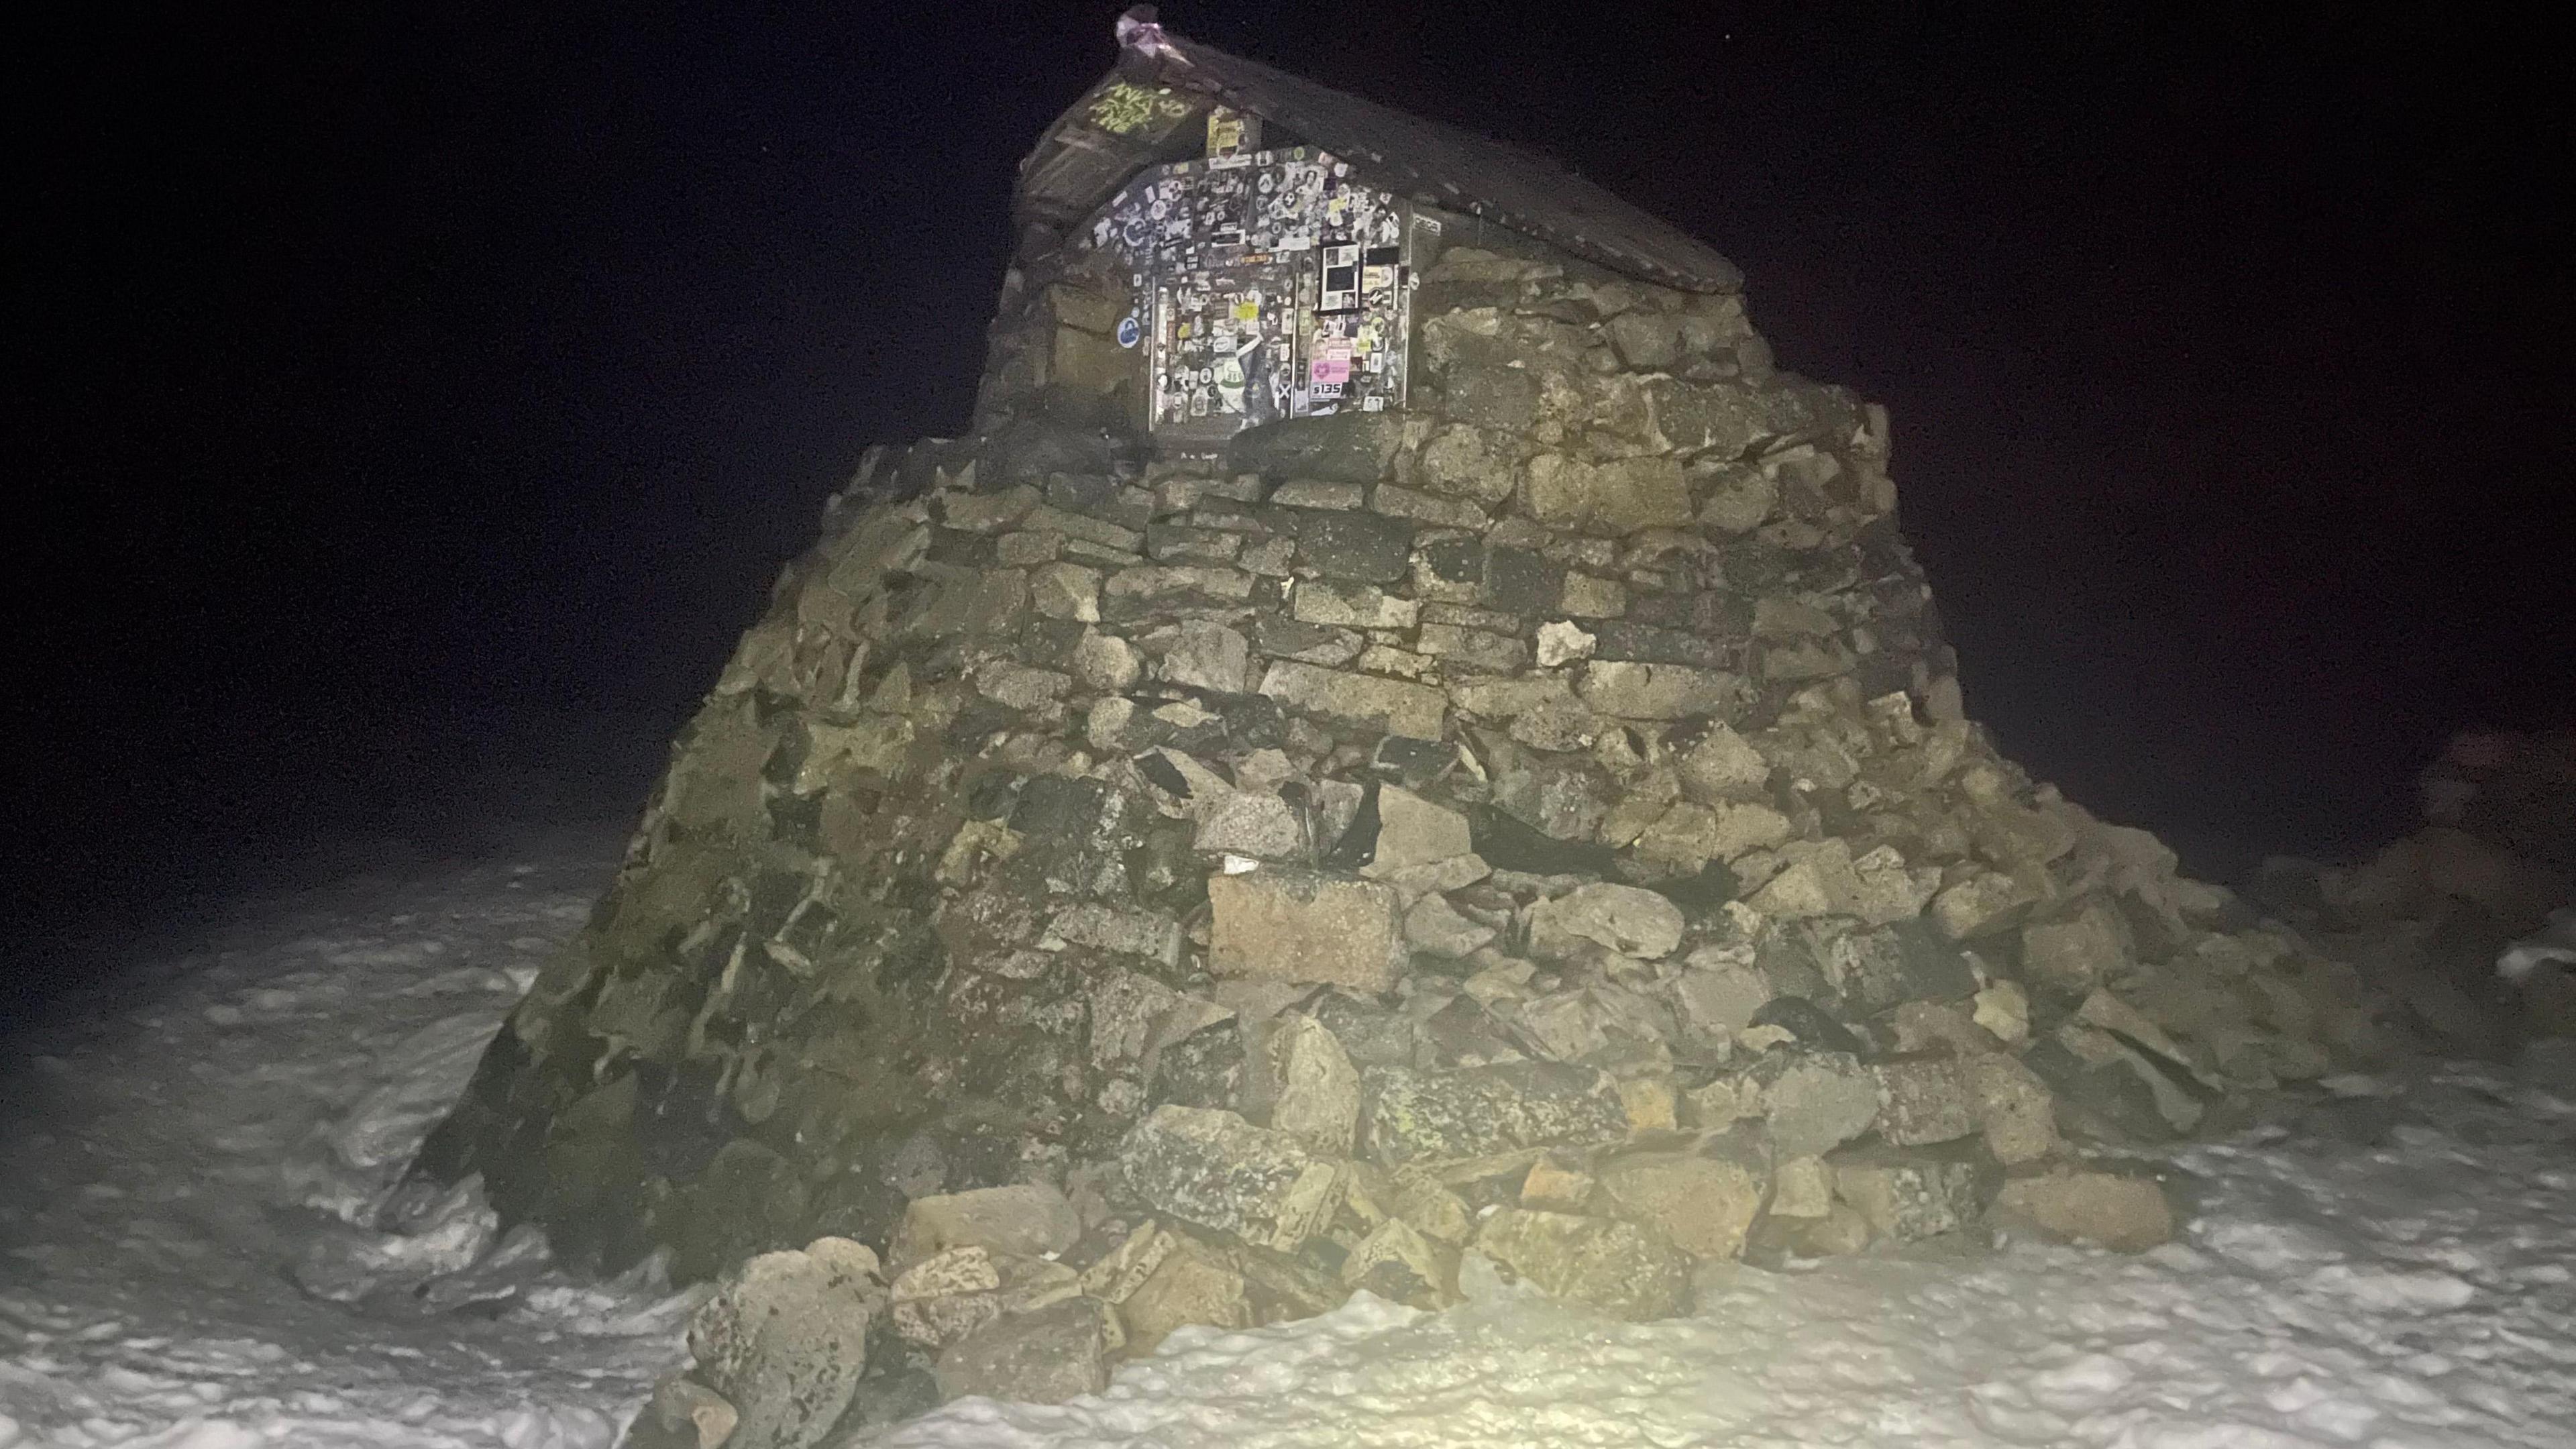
(1128, 331)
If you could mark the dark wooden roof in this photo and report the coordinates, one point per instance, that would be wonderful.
(1082, 162)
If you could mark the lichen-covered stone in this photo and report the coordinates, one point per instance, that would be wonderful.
(1216, 1170)
(1924, 1098)
(2015, 1109)
(784, 1340)
(1982, 905)
(941, 1299)
(682, 1414)
(1876, 969)
(1486, 1111)
(1618, 497)
(1909, 1196)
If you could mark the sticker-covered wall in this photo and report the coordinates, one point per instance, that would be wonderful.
(1269, 284)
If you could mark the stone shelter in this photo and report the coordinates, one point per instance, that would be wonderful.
(1401, 744)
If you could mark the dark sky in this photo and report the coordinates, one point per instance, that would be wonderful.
(429, 393)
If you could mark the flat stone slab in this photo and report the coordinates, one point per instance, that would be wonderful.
(1486, 1111)
(1282, 924)
(1393, 705)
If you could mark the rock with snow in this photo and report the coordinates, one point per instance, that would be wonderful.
(784, 1340)
(1604, 1264)
(1044, 1356)
(2126, 1208)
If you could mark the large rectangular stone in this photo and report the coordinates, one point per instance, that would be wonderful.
(1280, 924)
(1631, 690)
(1355, 606)
(1391, 705)
(1489, 1111)
(1216, 1170)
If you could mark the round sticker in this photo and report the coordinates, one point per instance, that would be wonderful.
(1128, 331)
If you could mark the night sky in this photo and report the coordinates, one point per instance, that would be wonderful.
(428, 394)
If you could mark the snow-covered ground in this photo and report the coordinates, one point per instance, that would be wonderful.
(186, 1159)
(183, 1180)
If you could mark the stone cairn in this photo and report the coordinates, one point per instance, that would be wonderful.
(1113, 892)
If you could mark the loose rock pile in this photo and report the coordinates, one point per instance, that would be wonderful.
(1537, 830)
(2427, 915)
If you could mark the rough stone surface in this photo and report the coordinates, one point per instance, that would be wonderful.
(1216, 1170)
(1905, 1197)
(1031, 1219)
(1189, 1283)
(1605, 1264)
(1617, 497)
(1396, 1261)
(1632, 690)
(2014, 1107)
(2072, 956)
(1291, 925)
(2125, 1210)
(1924, 1098)
(1432, 1117)
(1702, 1201)
(683, 1414)
(1625, 919)
(784, 1341)
(1982, 905)
(1819, 1101)
(1413, 831)
(1045, 1356)
(1394, 706)
(1318, 1100)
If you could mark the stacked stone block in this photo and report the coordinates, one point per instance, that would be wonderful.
(1535, 833)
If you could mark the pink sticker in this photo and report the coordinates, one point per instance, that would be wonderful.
(1332, 364)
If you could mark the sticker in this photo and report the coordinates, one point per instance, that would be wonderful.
(1330, 370)
(1231, 134)
(1341, 289)
(1130, 331)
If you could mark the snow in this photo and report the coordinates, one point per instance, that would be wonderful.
(204, 1251)
(196, 1158)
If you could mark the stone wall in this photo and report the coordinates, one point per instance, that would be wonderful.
(1535, 833)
